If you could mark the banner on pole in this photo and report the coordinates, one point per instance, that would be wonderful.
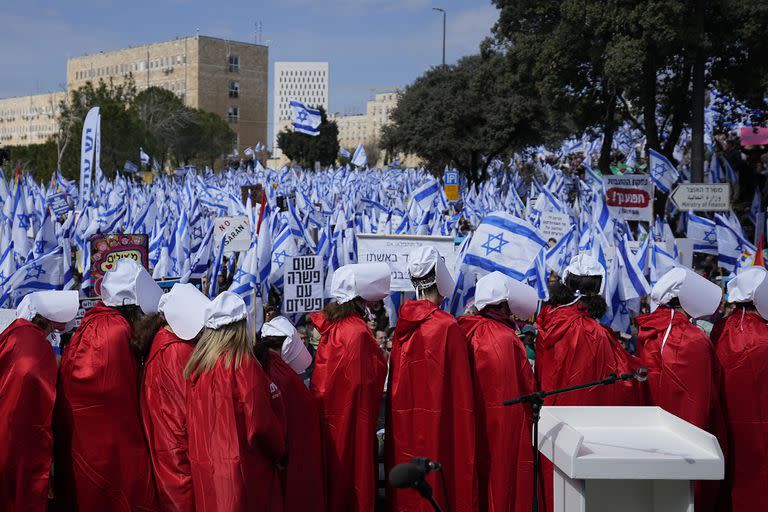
(106, 250)
(394, 249)
(630, 196)
(88, 147)
(304, 286)
(554, 225)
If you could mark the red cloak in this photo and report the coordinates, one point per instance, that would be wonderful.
(684, 380)
(430, 409)
(348, 382)
(500, 371)
(164, 413)
(27, 394)
(236, 427)
(742, 350)
(102, 458)
(573, 348)
(304, 483)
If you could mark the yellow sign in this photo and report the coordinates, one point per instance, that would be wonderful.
(451, 192)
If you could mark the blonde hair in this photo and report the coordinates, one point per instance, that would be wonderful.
(230, 341)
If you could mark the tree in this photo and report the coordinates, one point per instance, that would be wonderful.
(164, 119)
(209, 138)
(601, 63)
(466, 115)
(39, 159)
(121, 131)
(308, 149)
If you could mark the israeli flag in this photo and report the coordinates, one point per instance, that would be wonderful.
(663, 173)
(504, 243)
(304, 119)
(249, 152)
(143, 157)
(48, 272)
(343, 152)
(702, 229)
(360, 159)
(426, 194)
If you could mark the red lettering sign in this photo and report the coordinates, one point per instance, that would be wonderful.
(628, 198)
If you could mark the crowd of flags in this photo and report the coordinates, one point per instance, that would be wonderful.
(320, 212)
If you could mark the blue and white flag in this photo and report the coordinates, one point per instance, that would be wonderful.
(663, 173)
(143, 157)
(88, 149)
(426, 194)
(504, 243)
(344, 152)
(360, 159)
(701, 228)
(48, 272)
(756, 207)
(304, 119)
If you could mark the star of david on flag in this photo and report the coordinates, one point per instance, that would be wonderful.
(505, 243)
(663, 173)
(304, 119)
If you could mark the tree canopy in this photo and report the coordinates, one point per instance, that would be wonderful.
(308, 149)
(598, 64)
(467, 114)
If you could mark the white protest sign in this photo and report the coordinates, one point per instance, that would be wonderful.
(394, 249)
(235, 231)
(303, 284)
(630, 196)
(554, 225)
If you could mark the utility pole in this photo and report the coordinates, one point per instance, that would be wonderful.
(697, 119)
(442, 11)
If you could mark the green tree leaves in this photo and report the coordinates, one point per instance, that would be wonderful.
(308, 149)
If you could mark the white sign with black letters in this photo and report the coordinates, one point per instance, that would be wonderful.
(235, 231)
(303, 284)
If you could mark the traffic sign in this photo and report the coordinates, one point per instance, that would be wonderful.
(702, 197)
(451, 185)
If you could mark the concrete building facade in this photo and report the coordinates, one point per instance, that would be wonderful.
(29, 119)
(306, 82)
(228, 78)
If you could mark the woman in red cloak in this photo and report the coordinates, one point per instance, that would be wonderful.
(102, 459)
(574, 348)
(27, 393)
(284, 357)
(683, 374)
(168, 339)
(235, 417)
(430, 410)
(347, 382)
(742, 350)
(500, 371)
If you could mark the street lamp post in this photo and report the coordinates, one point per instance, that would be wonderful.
(442, 11)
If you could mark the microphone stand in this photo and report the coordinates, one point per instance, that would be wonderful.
(421, 485)
(537, 401)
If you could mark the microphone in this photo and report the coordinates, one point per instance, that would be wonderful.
(410, 474)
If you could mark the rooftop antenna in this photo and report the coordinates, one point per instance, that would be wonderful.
(257, 36)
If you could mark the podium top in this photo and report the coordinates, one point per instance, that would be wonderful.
(635, 443)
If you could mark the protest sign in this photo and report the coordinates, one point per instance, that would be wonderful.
(235, 231)
(304, 288)
(58, 203)
(256, 192)
(630, 196)
(554, 225)
(106, 250)
(753, 135)
(394, 249)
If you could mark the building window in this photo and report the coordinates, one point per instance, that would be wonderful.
(234, 63)
(233, 114)
(234, 89)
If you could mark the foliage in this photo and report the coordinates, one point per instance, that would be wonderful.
(39, 159)
(466, 115)
(308, 149)
(598, 63)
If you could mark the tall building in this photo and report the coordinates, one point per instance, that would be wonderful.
(228, 78)
(29, 119)
(306, 82)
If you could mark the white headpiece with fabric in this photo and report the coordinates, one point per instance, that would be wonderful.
(750, 285)
(698, 296)
(293, 352)
(424, 259)
(54, 305)
(584, 264)
(227, 308)
(130, 284)
(369, 281)
(496, 288)
(184, 308)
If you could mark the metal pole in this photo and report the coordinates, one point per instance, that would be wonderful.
(697, 121)
(444, 15)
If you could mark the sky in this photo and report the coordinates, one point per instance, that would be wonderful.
(368, 43)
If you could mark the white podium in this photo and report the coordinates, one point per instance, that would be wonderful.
(630, 459)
